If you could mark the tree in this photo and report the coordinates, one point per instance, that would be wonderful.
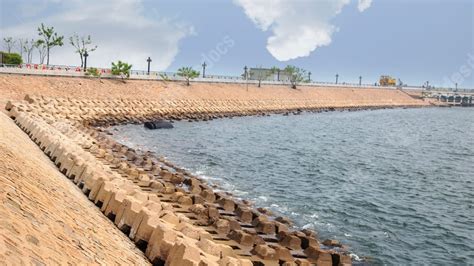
(296, 75)
(41, 50)
(20, 45)
(188, 73)
(50, 39)
(11, 58)
(9, 44)
(121, 69)
(27, 47)
(81, 44)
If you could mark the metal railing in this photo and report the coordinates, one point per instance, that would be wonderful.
(76, 71)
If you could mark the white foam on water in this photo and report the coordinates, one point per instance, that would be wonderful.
(265, 199)
(308, 226)
(354, 257)
(240, 193)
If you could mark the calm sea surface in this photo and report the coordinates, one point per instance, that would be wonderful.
(397, 186)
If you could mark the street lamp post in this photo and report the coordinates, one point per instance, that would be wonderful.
(337, 78)
(204, 69)
(149, 61)
(246, 78)
(360, 80)
(85, 60)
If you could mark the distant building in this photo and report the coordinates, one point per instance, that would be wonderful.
(267, 74)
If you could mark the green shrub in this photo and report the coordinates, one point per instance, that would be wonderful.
(94, 72)
(121, 69)
(164, 77)
(11, 58)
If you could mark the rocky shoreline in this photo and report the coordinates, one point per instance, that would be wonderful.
(171, 215)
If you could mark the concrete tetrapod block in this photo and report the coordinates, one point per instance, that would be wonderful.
(67, 162)
(266, 227)
(215, 249)
(94, 179)
(344, 260)
(114, 202)
(105, 190)
(60, 149)
(169, 217)
(47, 141)
(183, 253)
(109, 176)
(78, 168)
(192, 231)
(283, 254)
(49, 150)
(227, 204)
(43, 138)
(265, 252)
(208, 195)
(161, 241)
(290, 241)
(245, 214)
(242, 237)
(222, 226)
(128, 212)
(61, 153)
(229, 261)
(320, 257)
(88, 171)
(145, 222)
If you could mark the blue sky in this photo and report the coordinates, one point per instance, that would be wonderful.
(415, 41)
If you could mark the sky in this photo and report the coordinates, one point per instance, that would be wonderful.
(413, 40)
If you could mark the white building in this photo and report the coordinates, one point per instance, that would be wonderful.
(267, 74)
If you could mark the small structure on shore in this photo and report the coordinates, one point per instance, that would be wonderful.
(268, 74)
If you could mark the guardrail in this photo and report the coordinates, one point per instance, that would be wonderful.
(76, 71)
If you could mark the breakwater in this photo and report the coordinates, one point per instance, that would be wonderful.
(170, 214)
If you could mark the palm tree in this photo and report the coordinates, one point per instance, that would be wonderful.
(188, 73)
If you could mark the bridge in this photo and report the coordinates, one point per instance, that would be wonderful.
(455, 98)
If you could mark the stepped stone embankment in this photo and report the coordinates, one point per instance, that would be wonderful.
(15, 87)
(171, 215)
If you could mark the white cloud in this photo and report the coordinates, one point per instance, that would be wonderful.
(298, 27)
(120, 28)
(363, 5)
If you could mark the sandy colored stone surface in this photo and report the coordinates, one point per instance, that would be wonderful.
(44, 218)
(15, 87)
